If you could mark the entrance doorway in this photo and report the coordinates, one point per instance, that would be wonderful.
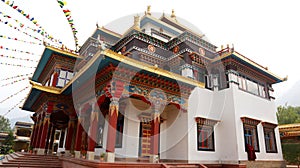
(145, 139)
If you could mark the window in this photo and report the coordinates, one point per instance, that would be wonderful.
(64, 77)
(205, 134)
(269, 135)
(250, 132)
(252, 86)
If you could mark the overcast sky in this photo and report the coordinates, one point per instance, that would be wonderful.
(267, 32)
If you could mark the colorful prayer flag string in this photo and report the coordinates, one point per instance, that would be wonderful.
(20, 51)
(18, 76)
(9, 97)
(31, 19)
(67, 13)
(16, 39)
(14, 106)
(22, 25)
(13, 82)
(15, 28)
(17, 58)
(16, 65)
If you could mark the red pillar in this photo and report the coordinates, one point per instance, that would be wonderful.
(155, 134)
(93, 131)
(33, 133)
(46, 123)
(112, 126)
(39, 130)
(79, 134)
(71, 127)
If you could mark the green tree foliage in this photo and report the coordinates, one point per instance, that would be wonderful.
(288, 114)
(4, 124)
(8, 143)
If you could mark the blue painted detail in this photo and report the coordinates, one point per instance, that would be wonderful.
(32, 97)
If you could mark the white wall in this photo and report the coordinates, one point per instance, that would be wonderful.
(130, 144)
(216, 105)
(173, 135)
(259, 108)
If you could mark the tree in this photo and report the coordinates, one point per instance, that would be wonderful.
(8, 143)
(288, 114)
(4, 124)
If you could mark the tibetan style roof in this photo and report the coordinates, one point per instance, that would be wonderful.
(231, 54)
(48, 52)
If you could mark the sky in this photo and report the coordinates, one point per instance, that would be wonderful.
(267, 32)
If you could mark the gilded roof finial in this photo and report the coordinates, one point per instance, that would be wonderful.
(136, 22)
(148, 10)
(173, 14)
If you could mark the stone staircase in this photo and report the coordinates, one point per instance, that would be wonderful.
(20, 160)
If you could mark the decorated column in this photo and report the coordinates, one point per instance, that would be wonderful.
(112, 127)
(114, 92)
(92, 132)
(158, 102)
(44, 130)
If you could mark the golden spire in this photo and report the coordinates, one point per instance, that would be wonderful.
(173, 14)
(148, 10)
(136, 23)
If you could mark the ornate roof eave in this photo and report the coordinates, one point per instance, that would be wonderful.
(250, 62)
(121, 58)
(134, 63)
(152, 69)
(45, 58)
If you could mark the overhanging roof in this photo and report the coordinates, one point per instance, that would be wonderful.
(109, 55)
(244, 60)
(48, 52)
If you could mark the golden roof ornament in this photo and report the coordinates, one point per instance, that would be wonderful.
(136, 22)
(173, 14)
(148, 10)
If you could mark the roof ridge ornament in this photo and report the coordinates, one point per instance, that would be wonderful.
(148, 12)
(136, 23)
(173, 16)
